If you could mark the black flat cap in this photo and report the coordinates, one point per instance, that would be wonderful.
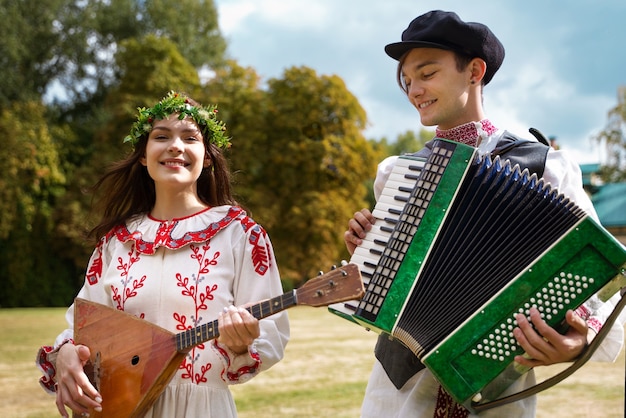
(445, 30)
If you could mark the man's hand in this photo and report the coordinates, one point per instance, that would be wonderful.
(544, 345)
(358, 226)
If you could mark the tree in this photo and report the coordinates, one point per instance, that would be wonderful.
(29, 49)
(613, 137)
(242, 104)
(192, 25)
(30, 184)
(96, 29)
(311, 170)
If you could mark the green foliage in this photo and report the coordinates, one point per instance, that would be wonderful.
(30, 185)
(175, 103)
(613, 137)
(31, 177)
(314, 161)
(140, 83)
(410, 142)
(242, 105)
(29, 48)
(192, 25)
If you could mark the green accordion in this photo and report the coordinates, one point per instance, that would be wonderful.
(474, 242)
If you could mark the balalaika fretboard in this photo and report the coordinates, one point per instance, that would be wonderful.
(475, 242)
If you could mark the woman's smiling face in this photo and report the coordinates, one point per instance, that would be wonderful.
(175, 153)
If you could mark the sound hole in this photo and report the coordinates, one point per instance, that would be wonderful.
(134, 360)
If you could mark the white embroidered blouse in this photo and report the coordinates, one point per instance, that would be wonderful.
(179, 274)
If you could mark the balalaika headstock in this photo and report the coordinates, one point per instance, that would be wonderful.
(338, 285)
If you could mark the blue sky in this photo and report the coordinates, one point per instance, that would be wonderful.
(564, 59)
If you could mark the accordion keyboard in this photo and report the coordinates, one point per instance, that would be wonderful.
(394, 196)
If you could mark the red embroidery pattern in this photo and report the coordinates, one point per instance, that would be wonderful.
(191, 289)
(467, 133)
(47, 380)
(94, 271)
(447, 408)
(164, 235)
(585, 314)
(129, 285)
(260, 253)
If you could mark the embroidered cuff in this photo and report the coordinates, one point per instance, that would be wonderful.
(239, 367)
(592, 322)
(46, 362)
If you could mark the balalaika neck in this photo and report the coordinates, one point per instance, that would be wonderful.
(205, 332)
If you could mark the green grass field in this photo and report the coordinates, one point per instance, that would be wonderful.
(324, 372)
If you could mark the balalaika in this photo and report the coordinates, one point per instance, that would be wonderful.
(462, 244)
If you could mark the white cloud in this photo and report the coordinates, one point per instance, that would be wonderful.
(294, 15)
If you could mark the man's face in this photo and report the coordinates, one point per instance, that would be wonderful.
(437, 89)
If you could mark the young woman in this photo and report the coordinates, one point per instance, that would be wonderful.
(176, 250)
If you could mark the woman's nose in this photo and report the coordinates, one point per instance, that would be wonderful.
(176, 146)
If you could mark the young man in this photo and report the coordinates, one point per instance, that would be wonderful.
(443, 65)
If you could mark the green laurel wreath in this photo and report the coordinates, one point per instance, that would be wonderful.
(175, 103)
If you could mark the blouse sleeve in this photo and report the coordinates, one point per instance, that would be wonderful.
(46, 355)
(256, 279)
(562, 173)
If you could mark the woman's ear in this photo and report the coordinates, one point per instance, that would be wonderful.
(143, 161)
(207, 162)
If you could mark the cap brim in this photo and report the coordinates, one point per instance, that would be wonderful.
(398, 49)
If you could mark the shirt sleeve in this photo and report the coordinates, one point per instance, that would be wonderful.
(382, 174)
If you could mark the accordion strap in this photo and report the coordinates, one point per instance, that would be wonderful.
(582, 359)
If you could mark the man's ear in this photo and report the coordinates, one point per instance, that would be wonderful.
(477, 68)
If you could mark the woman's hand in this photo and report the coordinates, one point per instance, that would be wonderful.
(545, 345)
(358, 226)
(238, 329)
(73, 387)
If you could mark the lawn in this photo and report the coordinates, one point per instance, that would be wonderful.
(324, 372)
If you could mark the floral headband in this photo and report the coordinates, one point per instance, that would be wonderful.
(205, 117)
